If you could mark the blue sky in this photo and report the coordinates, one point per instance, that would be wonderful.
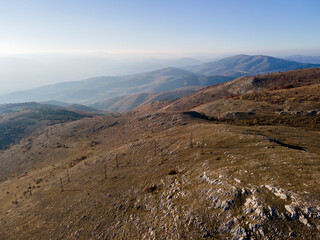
(159, 26)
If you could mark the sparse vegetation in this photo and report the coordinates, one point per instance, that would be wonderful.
(256, 177)
(172, 172)
(150, 189)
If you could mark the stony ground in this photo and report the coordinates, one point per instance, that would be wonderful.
(162, 176)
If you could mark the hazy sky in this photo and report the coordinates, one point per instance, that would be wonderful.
(173, 26)
(149, 28)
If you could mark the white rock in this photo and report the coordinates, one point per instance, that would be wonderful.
(237, 180)
(291, 210)
(304, 220)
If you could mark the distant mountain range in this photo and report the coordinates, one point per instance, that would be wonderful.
(123, 93)
(241, 65)
(304, 59)
(98, 89)
(19, 71)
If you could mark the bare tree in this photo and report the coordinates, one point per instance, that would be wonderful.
(191, 141)
(68, 176)
(117, 162)
(162, 156)
(61, 185)
(30, 189)
(16, 199)
(202, 146)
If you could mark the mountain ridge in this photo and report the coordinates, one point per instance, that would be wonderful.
(242, 164)
(99, 88)
(304, 59)
(247, 84)
(240, 65)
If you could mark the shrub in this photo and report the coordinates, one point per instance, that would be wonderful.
(172, 172)
(151, 188)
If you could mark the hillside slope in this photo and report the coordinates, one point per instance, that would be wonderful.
(22, 119)
(216, 172)
(243, 85)
(126, 103)
(135, 177)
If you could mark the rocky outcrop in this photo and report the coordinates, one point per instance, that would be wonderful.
(237, 211)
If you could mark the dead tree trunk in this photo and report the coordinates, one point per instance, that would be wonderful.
(117, 162)
(162, 156)
(61, 185)
(68, 176)
(202, 147)
(30, 189)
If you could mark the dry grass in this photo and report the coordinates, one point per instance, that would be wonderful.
(91, 205)
(167, 195)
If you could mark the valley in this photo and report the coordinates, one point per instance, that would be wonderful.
(151, 120)
(237, 160)
(126, 92)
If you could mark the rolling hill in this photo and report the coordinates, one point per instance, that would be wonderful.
(109, 89)
(304, 59)
(248, 84)
(126, 103)
(17, 107)
(23, 119)
(241, 65)
(242, 164)
(97, 89)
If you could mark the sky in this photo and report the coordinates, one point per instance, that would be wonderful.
(154, 28)
(151, 26)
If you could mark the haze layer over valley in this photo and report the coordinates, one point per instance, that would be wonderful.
(105, 92)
